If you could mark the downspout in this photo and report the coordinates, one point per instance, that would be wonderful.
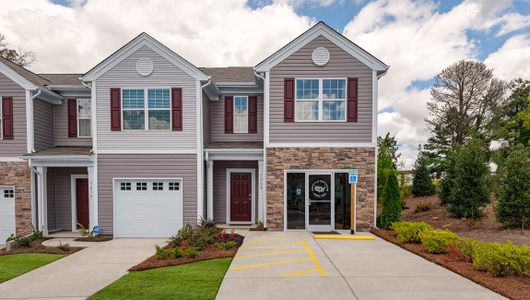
(87, 85)
(206, 84)
(259, 76)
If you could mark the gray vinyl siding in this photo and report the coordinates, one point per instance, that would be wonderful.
(166, 75)
(219, 186)
(43, 124)
(217, 114)
(60, 197)
(145, 166)
(206, 119)
(61, 129)
(300, 65)
(16, 146)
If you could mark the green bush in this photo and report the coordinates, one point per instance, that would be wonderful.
(391, 211)
(422, 183)
(437, 241)
(501, 259)
(161, 253)
(203, 236)
(191, 252)
(409, 231)
(226, 245)
(64, 247)
(206, 223)
(421, 207)
(467, 246)
(406, 191)
(176, 253)
(513, 209)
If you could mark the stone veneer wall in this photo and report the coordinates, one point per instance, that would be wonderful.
(281, 159)
(18, 174)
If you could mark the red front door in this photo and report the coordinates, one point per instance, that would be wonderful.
(241, 197)
(81, 194)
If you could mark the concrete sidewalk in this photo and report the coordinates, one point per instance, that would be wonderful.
(81, 274)
(293, 265)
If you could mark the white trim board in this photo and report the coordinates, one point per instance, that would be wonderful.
(138, 42)
(321, 29)
(229, 171)
(73, 199)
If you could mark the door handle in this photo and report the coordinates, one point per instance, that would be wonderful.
(308, 202)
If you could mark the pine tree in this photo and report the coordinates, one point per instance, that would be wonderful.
(391, 201)
(422, 182)
(513, 209)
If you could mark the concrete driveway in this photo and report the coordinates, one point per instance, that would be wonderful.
(81, 274)
(293, 265)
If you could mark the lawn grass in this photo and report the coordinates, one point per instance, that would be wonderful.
(15, 265)
(199, 280)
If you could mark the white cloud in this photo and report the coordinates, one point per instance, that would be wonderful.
(512, 60)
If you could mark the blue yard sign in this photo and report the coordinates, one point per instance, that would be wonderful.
(353, 176)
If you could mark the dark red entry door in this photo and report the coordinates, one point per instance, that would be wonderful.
(240, 197)
(81, 194)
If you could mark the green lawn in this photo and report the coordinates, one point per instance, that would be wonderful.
(199, 280)
(14, 265)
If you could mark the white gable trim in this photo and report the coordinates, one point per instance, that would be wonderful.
(321, 29)
(143, 40)
(17, 78)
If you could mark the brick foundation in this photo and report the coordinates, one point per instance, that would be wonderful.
(18, 174)
(281, 159)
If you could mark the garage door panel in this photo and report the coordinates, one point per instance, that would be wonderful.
(7, 214)
(148, 212)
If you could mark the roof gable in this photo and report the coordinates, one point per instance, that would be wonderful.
(322, 29)
(140, 41)
(20, 75)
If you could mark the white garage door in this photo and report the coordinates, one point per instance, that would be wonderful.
(7, 213)
(147, 207)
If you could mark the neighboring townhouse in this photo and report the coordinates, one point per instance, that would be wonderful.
(146, 142)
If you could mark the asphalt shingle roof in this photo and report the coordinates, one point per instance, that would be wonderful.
(230, 74)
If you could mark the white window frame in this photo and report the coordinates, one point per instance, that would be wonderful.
(320, 100)
(83, 118)
(146, 108)
(240, 115)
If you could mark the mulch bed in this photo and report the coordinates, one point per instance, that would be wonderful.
(37, 247)
(210, 252)
(257, 229)
(513, 287)
(101, 238)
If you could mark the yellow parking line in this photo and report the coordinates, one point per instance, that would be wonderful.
(313, 258)
(300, 273)
(268, 246)
(268, 239)
(270, 253)
(343, 237)
(270, 264)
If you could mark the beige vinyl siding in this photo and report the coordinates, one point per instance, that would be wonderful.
(217, 114)
(43, 124)
(60, 197)
(206, 119)
(61, 129)
(340, 65)
(146, 166)
(165, 74)
(16, 146)
(219, 186)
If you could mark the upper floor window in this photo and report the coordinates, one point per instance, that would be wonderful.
(157, 108)
(83, 118)
(320, 100)
(240, 114)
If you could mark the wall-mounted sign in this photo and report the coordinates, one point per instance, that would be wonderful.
(353, 176)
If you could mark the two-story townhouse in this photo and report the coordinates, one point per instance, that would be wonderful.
(145, 141)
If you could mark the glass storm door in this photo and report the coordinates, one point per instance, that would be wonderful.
(319, 202)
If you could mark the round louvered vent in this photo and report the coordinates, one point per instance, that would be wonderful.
(320, 56)
(144, 66)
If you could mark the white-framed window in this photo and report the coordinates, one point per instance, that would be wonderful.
(240, 114)
(83, 118)
(320, 100)
(146, 109)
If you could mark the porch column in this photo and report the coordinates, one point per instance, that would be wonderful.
(42, 207)
(92, 197)
(209, 190)
(261, 180)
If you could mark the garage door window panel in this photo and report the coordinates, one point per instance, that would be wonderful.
(174, 186)
(141, 186)
(158, 186)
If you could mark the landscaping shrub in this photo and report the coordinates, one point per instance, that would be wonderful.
(422, 182)
(206, 223)
(176, 253)
(191, 252)
(467, 246)
(421, 207)
(161, 253)
(203, 236)
(501, 259)
(36, 234)
(226, 245)
(64, 247)
(513, 209)
(391, 211)
(437, 241)
(409, 231)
